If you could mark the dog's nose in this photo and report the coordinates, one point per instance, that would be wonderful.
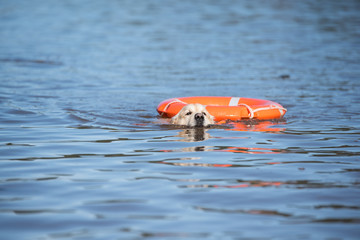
(199, 116)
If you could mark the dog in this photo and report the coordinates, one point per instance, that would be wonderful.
(193, 115)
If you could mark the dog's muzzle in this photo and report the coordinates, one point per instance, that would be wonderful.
(199, 119)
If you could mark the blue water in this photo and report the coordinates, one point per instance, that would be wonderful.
(84, 155)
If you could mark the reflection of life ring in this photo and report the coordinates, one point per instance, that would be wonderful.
(226, 108)
(259, 126)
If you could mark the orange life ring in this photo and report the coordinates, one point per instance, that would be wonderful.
(226, 108)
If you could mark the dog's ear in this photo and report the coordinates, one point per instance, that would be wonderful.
(176, 119)
(211, 117)
(173, 120)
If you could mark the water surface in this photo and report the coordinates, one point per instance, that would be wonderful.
(84, 155)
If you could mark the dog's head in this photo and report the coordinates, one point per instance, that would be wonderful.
(193, 115)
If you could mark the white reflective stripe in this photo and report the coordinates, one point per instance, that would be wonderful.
(234, 101)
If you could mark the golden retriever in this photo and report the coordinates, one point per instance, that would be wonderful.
(193, 115)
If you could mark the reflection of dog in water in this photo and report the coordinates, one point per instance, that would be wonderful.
(193, 115)
(194, 134)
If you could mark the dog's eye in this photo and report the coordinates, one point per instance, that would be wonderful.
(188, 113)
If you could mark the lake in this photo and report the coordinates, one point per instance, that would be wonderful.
(85, 155)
